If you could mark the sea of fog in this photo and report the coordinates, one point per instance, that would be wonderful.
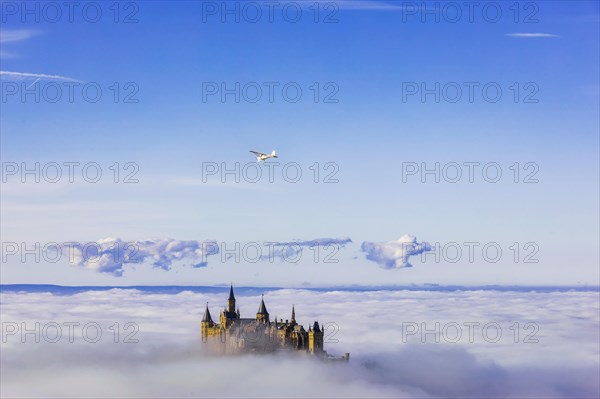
(413, 342)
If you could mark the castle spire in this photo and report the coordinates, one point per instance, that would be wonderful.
(262, 314)
(207, 318)
(316, 327)
(262, 309)
(231, 300)
(293, 315)
(231, 296)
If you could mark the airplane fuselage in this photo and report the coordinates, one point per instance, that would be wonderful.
(261, 157)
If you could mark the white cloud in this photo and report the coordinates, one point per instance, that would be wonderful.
(19, 35)
(167, 360)
(531, 35)
(394, 254)
(109, 255)
(16, 35)
(39, 76)
(291, 249)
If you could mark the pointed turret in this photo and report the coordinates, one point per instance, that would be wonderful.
(262, 309)
(316, 327)
(231, 300)
(207, 323)
(293, 315)
(207, 318)
(262, 314)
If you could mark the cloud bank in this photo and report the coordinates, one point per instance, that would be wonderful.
(394, 254)
(168, 360)
(115, 256)
(109, 255)
(283, 251)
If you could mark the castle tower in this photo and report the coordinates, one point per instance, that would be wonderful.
(262, 315)
(207, 322)
(231, 300)
(293, 320)
(315, 340)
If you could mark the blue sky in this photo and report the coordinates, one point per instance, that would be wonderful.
(373, 49)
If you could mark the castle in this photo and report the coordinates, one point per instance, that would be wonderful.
(234, 334)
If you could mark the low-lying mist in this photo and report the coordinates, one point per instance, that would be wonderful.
(150, 345)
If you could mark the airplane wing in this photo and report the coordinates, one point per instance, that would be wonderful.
(257, 153)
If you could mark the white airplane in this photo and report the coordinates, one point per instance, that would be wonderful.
(263, 157)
